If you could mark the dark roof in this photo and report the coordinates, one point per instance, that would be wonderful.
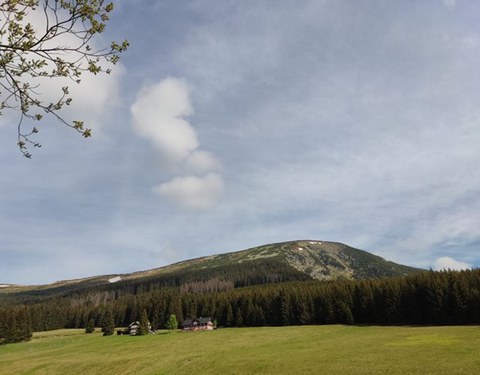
(205, 320)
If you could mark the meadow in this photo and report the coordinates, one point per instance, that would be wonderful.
(328, 349)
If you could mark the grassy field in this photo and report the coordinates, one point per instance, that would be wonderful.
(284, 350)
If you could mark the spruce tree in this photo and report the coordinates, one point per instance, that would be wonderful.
(143, 330)
(285, 309)
(3, 326)
(108, 324)
(238, 318)
(90, 326)
(172, 323)
(11, 331)
(229, 320)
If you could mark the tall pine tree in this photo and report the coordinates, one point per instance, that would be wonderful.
(144, 324)
(90, 326)
(108, 324)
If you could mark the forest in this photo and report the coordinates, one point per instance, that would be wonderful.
(427, 298)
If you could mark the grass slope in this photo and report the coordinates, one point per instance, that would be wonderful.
(281, 350)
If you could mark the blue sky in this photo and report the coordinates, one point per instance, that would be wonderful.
(231, 124)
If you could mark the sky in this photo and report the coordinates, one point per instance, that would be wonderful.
(232, 124)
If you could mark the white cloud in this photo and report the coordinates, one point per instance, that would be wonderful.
(159, 114)
(193, 192)
(446, 263)
(201, 162)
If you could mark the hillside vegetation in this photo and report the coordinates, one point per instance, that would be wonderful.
(272, 263)
(281, 350)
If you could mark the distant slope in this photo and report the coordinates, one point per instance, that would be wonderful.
(272, 263)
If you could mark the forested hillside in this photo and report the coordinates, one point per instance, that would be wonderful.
(272, 263)
(427, 298)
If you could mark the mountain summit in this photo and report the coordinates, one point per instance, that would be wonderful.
(321, 260)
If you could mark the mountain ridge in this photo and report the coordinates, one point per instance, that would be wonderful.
(275, 262)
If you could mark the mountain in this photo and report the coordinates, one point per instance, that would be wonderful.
(319, 260)
(272, 263)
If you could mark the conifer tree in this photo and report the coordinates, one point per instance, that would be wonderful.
(285, 308)
(172, 323)
(3, 326)
(11, 331)
(90, 326)
(143, 329)
(238, 317)
(108, 324)
(229, 319)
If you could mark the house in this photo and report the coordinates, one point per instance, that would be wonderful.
(201, 324)
(133, 329)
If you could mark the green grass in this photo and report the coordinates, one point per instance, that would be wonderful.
(285, 350)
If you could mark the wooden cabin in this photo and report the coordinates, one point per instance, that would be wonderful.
(133, 329)
(201, 324)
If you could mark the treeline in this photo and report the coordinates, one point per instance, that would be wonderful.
(433, 298)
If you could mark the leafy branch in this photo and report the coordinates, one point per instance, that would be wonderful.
(62, 47)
